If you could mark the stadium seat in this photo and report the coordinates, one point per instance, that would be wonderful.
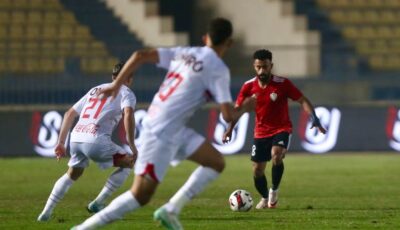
(6, 4)
(32, 66)
(18, 17)
(33, 32)
(4, 18)
(50, 33)
(20, 4)
(34, 17)
(38, 35)
(32, 49)
(36, 4)
(48, 49)
(372, 26)
(51, 17)
(80, 48)
(15, 49)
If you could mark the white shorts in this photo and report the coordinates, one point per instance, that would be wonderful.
(101, 153)
(156, 153)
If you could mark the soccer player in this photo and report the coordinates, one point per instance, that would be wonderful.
(272, 125)
(91, 139)
(195, 75)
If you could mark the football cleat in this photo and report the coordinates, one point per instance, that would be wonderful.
(262, 204)
(272, 198)
(94, 207)
(168, 219)
(43, 217)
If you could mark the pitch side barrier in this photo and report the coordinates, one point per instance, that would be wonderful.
(33, 131)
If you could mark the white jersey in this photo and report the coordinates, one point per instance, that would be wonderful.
(98, 117)
(195, 75)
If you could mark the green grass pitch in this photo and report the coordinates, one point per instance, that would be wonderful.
(332, 191)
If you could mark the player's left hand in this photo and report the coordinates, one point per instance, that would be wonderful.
(322, 129)
(59, 151)
(319, 127)
(226, 138)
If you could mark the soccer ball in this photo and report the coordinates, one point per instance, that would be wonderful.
(240, 201)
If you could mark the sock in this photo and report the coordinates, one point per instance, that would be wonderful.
(261, 185)
(201, 177)
(124, 203)
(277, 172)
(116, 179)
(60, 188)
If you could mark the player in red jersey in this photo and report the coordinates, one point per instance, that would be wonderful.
(272, 125)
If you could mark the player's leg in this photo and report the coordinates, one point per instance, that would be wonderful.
(123, 162)
(150, 169)
(195, 148)
(280, 145)
(211, 162)
(140, 194)
(77, 164)
(60, 188)
(260, 155)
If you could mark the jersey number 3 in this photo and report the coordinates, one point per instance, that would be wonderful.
(92, 108)
(169, 85)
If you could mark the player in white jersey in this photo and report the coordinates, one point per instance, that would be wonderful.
(195, 75)
(91, 139)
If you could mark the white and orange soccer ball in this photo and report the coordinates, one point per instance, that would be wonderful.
(240, 201)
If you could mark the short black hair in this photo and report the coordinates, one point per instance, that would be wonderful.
(117, 68)
(219, 30)
(262, 54)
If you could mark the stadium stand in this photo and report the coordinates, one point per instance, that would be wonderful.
(274, 25)
(371, 26)
(142, 18)
(38, 36)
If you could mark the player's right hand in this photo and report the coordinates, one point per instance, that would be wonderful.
(59, 151)
(134, 152)
(226, 138)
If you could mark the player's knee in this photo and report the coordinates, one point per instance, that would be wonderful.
(143, 199)
(219, 165)
(258, 171)
(75, 173)
(123, 160)
(277, 159)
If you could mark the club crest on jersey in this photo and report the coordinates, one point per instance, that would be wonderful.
(273, 96)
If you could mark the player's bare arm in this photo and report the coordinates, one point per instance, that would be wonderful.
(308, 107)
(129, 124)
(248, 105)
(227, 136)
(66, 125)
(137, 59)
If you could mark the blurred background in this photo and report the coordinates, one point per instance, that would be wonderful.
(342, 53)
(337, 52)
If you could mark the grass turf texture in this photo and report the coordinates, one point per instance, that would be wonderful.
(333, 191)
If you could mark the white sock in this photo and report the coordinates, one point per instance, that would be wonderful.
(60, 188)
(116, 179)
(199, 179)
(124, 203)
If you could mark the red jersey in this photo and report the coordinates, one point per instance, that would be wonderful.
(272, 111)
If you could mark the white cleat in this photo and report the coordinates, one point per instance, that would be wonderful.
(272, 198)
(94, 207)
(168, 219)
(262, 204)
